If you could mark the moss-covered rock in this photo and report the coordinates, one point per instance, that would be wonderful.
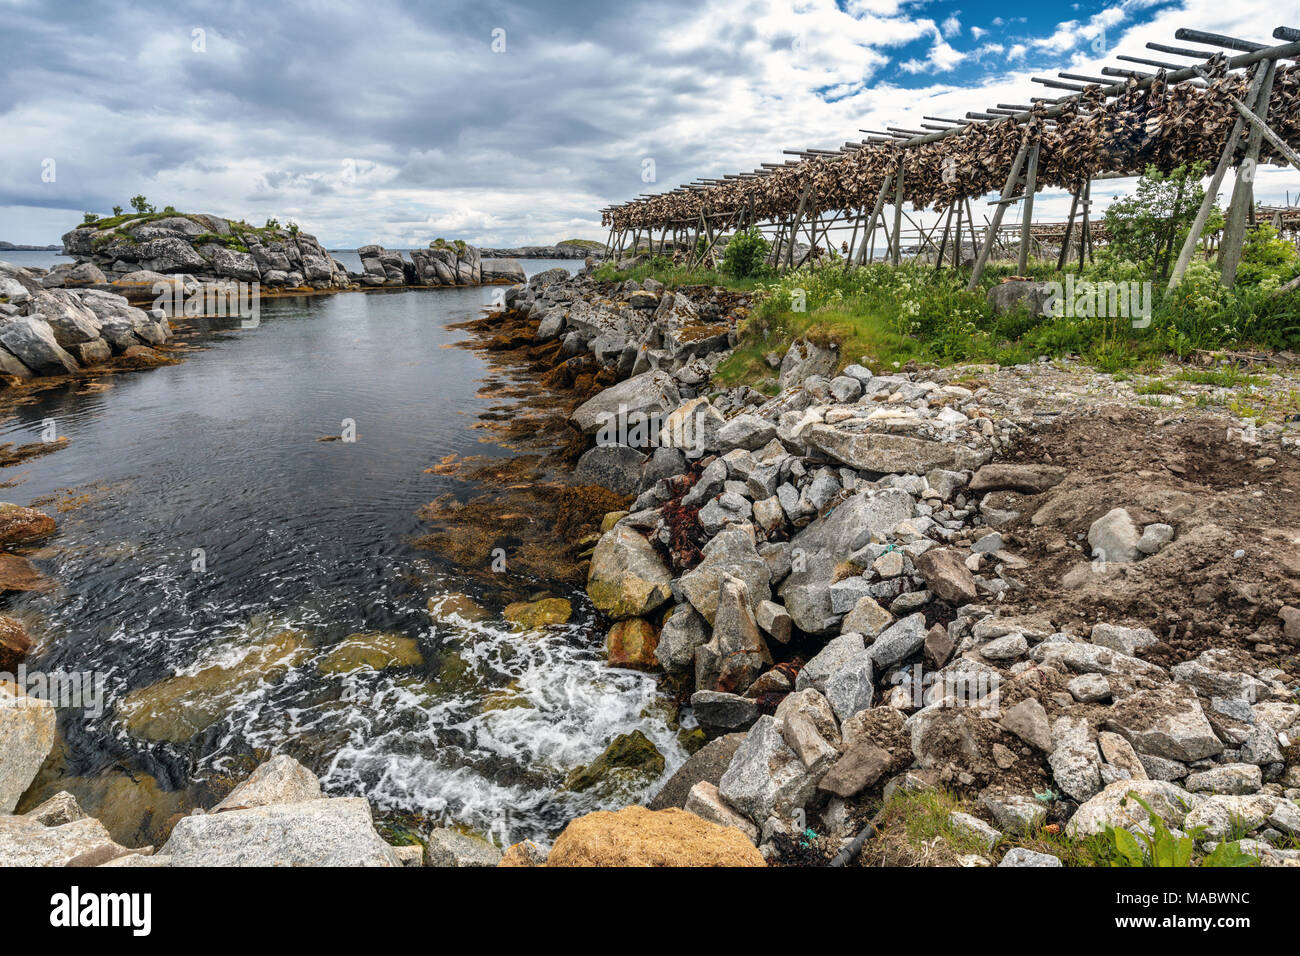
(456, 608)
(179, 707)
(629, 758)
(372, 650)
(627, 576)
(529, 615)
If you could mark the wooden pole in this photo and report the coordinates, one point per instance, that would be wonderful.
(1212, 190)
(999, 211)
(1027, 210)
(875, 214)
(794, 226)
(1069, 228)
(943, 242)
(1243, 190)
(898, 215)
(1085, 225)
(956, 247)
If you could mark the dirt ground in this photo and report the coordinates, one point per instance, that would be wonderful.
(1235, 558)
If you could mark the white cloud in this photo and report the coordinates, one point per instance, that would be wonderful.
(420, 130)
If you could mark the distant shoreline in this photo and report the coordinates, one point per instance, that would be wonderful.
(15, 247)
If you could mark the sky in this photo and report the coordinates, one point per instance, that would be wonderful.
(504, 123)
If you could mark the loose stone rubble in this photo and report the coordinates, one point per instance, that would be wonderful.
(846, 548)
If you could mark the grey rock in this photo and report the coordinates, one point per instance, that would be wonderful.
(333, 832)
(1089, 688)
(683, 631)
(721, 713)
(31, 340)
(26, 739)
(1233, 778)
(1019, 856)
(616, 467)
(867, 618)
(630, 401)
(708, 763)
(1114, 537)
(888, 453)
(1126, 640)
(836, 654)
(451, 848)
(279, 780)
(899, 641)
(1028, 721)
(766, 777)
(1165, 723)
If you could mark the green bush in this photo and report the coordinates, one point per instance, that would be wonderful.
(1265, 255)
(746, 254)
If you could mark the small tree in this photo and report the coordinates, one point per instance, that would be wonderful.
(117, 210)
(140, 204)
(88, 218)
(1146, 228)
(745, 254)
(293, 228)
(272, 223)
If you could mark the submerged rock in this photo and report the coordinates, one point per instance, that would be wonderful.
(372, 651)
(177, 708)
(15, 644)
(19, 525)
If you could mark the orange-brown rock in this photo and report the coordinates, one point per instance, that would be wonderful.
(635, 836)
(19, 525)
(526, 853)
(14, 643)
(632, 643)
(18, 574)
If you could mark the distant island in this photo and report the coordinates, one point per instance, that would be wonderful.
(14, 247)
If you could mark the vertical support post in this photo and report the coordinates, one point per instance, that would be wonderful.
(943, 242)
(794, 227)
(982, 259)
(956, 247)
(1243, 190)
(898, 214)
(876, 210)
(1212, 190)
(1027, 211)
(1069, 228)
(1085, 224)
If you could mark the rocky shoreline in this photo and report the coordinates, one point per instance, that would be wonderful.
(86, 314)
(871, 583)
(561, 250)
(133, 253)
(1023, 593)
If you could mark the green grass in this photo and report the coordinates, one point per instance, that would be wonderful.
(1226, 377)
(1156, 387)
(882, 317)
